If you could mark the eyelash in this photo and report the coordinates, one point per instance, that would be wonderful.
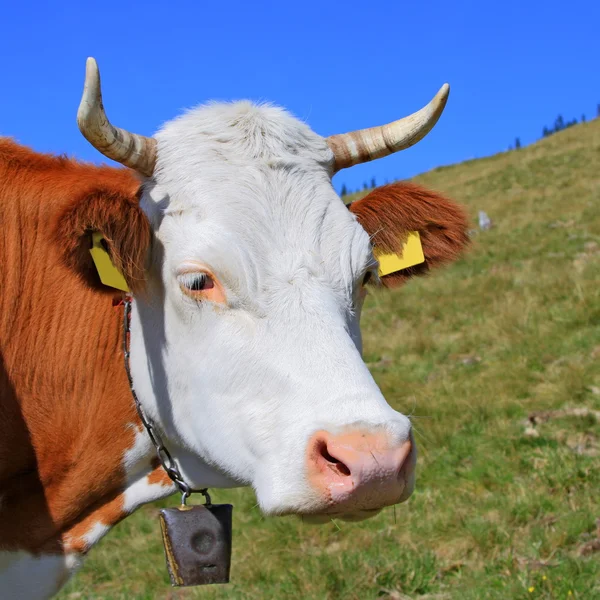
(196, 282)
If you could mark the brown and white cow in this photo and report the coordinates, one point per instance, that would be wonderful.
(248, 274)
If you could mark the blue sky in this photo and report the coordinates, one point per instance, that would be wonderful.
(512, 67)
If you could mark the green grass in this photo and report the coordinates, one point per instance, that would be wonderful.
(500, 511)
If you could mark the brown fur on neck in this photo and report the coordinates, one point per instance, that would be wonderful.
(65, 405)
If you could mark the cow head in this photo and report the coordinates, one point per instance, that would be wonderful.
(246, 347)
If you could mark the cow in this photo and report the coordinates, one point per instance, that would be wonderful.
(247, 274)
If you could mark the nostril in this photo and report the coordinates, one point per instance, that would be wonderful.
(332, 462)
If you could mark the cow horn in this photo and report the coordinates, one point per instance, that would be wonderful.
(133, 150)
(364, 145)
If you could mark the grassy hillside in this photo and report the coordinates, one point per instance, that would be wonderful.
(505, 507)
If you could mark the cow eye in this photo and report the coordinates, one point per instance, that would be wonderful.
(367, 277)
(196, 282)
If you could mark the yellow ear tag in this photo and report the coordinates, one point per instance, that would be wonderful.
(412, 254)
(109, 275)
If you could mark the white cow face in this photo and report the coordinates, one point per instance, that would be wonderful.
(246, 349)
(246, 345)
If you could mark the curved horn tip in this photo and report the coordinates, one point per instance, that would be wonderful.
(91, 62)
(442, 96)
(92, 73)
(91, 95)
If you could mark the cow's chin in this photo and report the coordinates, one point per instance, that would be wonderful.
(351, 517)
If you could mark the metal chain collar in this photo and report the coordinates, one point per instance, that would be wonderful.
(166, 460)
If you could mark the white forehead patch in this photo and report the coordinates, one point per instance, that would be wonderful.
(250, 185)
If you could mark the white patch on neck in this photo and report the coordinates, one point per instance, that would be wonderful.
(95, 533)
(139, 457)
(137, 462)
(138, 466)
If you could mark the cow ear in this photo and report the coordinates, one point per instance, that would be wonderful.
(126, 232)
(391, 211)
